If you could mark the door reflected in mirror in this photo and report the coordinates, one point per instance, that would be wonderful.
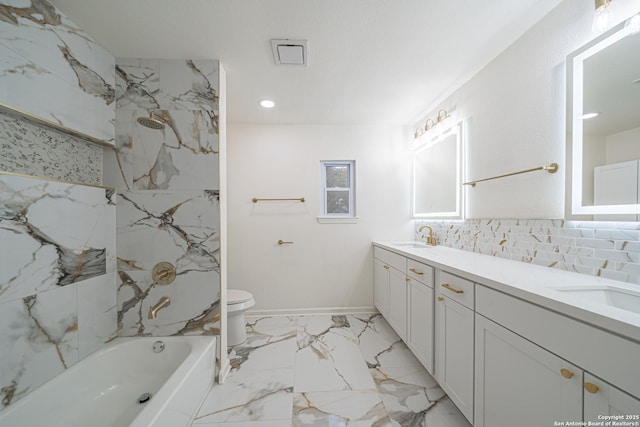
(437, 179)
(604, 81)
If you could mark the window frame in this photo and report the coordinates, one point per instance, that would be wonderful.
(326, 217)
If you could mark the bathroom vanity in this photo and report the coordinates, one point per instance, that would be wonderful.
(513, 343)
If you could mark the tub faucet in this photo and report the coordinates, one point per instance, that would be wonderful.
(153, 310)
(431, 240)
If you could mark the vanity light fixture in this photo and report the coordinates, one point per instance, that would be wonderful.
(587, 116)
(603, 17)
(266, 103)
(432, 124)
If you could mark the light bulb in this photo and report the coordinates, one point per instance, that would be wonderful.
(602, 18)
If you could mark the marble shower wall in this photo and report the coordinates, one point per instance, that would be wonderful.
(57, 275)
(51, 68)
(168, 201)
(607, 249)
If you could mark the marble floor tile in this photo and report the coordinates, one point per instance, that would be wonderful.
(260, 395)
(379, 343)
(269, 345)
(328, 358)
(410, 395)
(357, 408)
(311, 371)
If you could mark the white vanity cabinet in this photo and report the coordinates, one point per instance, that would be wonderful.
(420, 317)
(390, 289)
(521, 384)
(454, 335)
(535, 366)
(601, 398)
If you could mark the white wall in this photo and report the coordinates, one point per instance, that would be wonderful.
(329, 265)
(623, 146)
(515, 109)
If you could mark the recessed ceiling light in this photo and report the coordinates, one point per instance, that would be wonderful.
(267, 103)
(587, 116)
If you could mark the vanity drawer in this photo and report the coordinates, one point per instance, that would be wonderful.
(423, 273)
(390, 258)
(456, 288)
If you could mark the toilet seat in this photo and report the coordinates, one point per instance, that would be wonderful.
(239, 300)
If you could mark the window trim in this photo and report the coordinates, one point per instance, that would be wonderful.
(332, 218)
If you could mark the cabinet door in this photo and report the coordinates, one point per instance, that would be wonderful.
(454, 353)
(381, 287)
(398, 302)
(520, 384)
(420, 327)
(605, 399)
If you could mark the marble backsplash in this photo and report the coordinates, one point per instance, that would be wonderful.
(32, 149)
(606, 249)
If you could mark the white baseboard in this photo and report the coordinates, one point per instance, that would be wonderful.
(311, 311)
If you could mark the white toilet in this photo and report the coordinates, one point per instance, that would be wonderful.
(237, 303)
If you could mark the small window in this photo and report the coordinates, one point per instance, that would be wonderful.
(338, 189)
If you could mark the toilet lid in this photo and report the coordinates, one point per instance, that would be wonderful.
(236, 296)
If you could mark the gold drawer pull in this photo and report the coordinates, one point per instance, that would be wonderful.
(452, 289)
(591, 388)
(386, 267)
(440, 299)
(413, 270)
(406, 279)
(566, 373)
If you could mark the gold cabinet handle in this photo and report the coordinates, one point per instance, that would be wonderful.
(452, 289)
(591, 387)
(440, 299)
(386, 267)
(413, 270)
(282, 242)
(566, 373)
(406, 279)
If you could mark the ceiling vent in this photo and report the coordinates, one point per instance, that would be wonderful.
(290, 52)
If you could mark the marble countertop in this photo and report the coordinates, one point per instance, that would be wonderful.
(533, 283)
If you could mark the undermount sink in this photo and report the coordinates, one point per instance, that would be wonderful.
(415, 245)
(614, 297)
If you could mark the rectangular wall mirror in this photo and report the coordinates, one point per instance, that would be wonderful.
(603, 124)
(437, 175)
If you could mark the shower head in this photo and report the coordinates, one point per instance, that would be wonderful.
(154, 121)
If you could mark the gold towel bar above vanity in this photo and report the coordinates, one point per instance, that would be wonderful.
(551, 168)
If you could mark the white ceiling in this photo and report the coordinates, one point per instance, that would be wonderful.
(370, 61)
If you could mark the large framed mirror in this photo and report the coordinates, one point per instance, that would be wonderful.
(603, 124)
(437, 176)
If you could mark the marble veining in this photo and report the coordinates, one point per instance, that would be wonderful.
(56, 233)
(189, 312)
(167, 84)
(259, 393)
(31, 149)
(39, 336)
(46, 58)
(181, 227)
(178, 155)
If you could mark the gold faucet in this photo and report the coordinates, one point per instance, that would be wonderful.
(153, 310)
(431, 240)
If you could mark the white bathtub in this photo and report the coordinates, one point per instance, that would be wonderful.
(103, 389)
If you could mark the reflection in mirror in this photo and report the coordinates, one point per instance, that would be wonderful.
(437, 176)
(604, 77)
